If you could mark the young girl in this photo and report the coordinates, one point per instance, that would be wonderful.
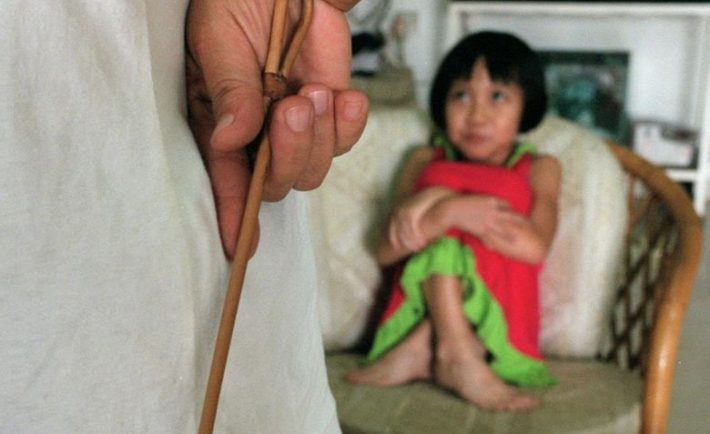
(473, 220)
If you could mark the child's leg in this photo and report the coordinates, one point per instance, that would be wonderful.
(459, 359)
(408, 361)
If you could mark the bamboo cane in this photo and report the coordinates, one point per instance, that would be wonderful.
(275, 72)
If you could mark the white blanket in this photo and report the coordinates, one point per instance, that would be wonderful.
(346, 213)
(577, 283)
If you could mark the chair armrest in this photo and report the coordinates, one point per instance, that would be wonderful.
(672, 288)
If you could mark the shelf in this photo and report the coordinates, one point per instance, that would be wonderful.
(636, 9)
(669, 46)
(682, 175)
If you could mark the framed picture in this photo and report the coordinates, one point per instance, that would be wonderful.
(589, 88)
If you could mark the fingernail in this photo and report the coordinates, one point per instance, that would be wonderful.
(225, 121)
(320, 100)
(352, 109)
(298, 118)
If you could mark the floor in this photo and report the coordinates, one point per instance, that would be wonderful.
(690, 402)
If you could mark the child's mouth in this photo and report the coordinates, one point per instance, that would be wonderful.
(475, 139)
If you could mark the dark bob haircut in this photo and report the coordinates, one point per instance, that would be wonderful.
(508, 60)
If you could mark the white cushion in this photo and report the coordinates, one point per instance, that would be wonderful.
(345, 213)
(577, 283)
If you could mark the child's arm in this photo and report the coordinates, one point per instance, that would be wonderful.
(389, 253)
(405, 226)
(524, 238)
(529, 239)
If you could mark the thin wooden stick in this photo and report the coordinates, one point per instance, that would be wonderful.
(298, 36)
(253, 204)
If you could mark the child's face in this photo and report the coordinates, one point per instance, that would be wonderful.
(483, 116)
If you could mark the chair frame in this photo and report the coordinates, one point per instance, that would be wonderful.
(665, 216)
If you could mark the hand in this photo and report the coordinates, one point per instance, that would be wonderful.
(405, 229)
(227, 43)
(482, 216)
(503, 233)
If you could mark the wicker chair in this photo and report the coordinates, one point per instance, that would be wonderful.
(666, 269)
(628, 385)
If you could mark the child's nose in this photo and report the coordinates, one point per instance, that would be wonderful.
(478, 113)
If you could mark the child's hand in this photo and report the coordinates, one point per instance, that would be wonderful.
(501, 229)
(528, 238)
(405, 228)
(480, 215)
(505, 232)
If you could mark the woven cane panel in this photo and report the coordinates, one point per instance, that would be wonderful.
(650, 239)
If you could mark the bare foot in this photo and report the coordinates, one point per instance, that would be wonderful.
(408, 361)
(466, 373)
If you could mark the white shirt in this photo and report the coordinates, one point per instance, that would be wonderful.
(112, 276)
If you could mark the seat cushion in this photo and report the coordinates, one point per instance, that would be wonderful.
(591, 398)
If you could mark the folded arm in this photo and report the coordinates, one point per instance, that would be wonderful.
(507, 232)
(428, 215)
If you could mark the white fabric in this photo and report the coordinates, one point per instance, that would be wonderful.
(346, 213)
(111, 270)
(576, 285)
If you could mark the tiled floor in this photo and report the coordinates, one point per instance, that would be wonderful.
(690, 404)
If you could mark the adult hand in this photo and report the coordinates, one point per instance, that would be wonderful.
(227, 44)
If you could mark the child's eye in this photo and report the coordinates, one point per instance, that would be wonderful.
(498, 95)
(458, 95)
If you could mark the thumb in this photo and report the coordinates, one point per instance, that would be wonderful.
(239, 115)
(230, 68)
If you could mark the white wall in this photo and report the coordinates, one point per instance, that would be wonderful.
(662, 83)
(648, 97)
(423, 45)
(425, 35)
(668, 77)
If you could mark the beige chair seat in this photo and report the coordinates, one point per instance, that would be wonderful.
(592, 397)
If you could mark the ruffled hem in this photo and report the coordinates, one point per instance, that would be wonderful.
(449, 257)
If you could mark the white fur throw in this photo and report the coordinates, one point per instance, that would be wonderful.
(346, 213)
(577, 282)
